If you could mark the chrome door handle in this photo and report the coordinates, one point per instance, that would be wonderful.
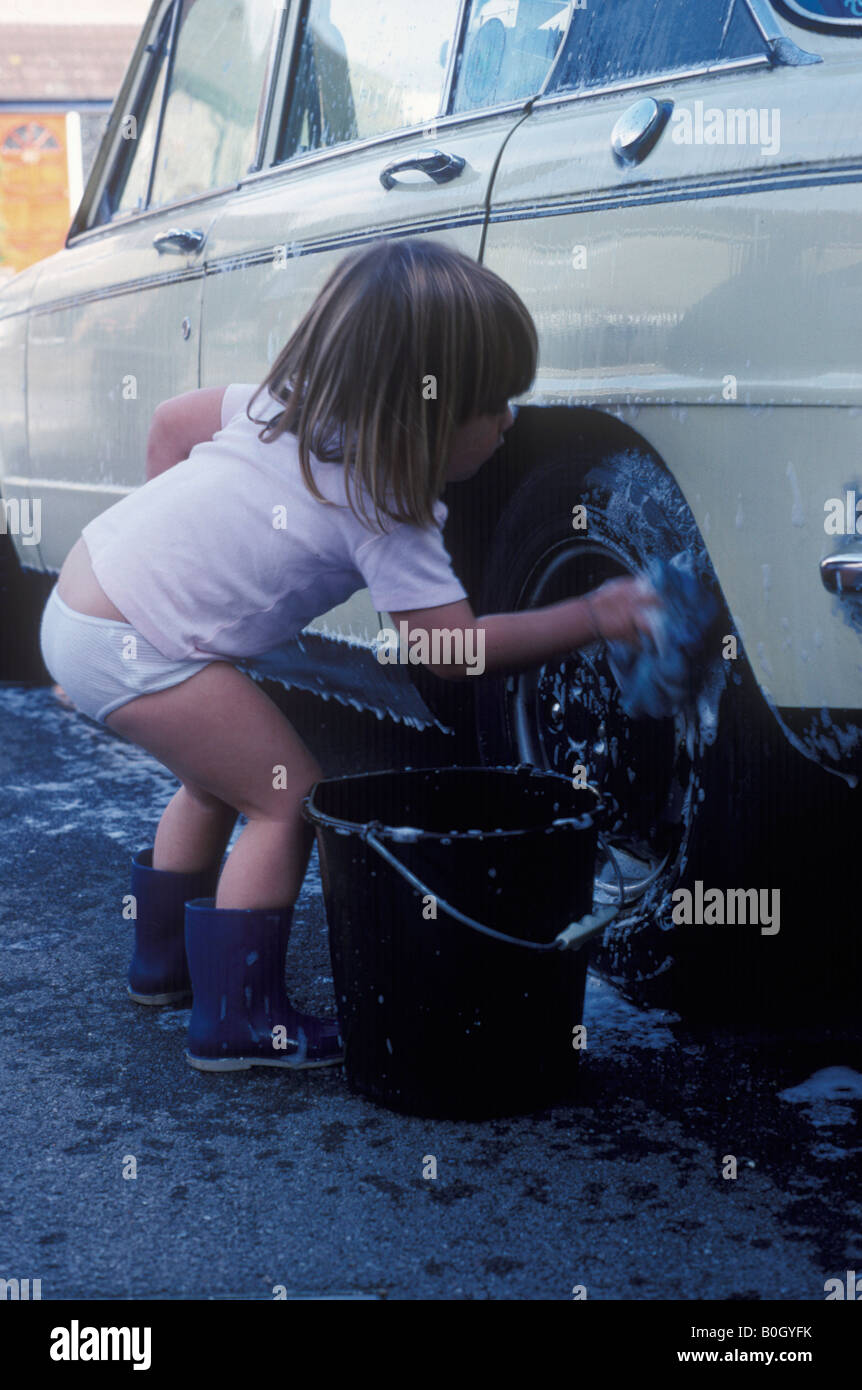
(638, 129)
(842, 574)
(179, 239)
(438, 166)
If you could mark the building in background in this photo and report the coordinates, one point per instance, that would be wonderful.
(58, 82)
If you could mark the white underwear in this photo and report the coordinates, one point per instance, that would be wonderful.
(102, 663)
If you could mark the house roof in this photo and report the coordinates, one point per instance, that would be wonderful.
(53, 62)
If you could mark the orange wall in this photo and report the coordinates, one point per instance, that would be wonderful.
(34, 186)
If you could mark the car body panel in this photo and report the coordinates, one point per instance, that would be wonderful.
(15, 484)
(801, 640)
(715, 307)
(105, 339)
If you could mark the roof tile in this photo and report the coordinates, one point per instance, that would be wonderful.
(83, 62)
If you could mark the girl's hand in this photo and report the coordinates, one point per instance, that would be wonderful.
(509, 642)
(620, 610)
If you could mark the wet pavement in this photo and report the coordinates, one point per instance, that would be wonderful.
(261, 1179)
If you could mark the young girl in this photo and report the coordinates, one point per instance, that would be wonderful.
(395, 383)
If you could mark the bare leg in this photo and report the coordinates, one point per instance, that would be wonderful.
(193, 832)
(228, 742)
(267, 864)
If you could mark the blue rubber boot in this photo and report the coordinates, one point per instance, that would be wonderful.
(158, 973)
(241, 1015)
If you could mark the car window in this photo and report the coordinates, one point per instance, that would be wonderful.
(216, 82)
(509, 49)
(627, 39)
(366, 67)
(215, 97)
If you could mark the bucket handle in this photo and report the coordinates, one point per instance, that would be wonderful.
(571, 938)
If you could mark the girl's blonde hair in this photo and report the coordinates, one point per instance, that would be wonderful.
(407, 340)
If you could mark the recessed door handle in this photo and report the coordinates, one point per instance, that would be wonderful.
(842, 574)
(438, 166)
(638, 129)
(180, 240)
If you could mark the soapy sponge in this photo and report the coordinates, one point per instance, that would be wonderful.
(663, 676)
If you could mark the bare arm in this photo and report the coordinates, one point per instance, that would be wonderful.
(617, 611)
(180, 423)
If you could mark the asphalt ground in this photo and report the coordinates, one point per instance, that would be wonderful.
(254, 1180)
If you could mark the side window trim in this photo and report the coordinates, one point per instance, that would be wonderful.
(764, 19)
(784, 51)
(453, 61)
(281, 90)
(657, 79)
(169, 61)
(293, 57)
(279, 53)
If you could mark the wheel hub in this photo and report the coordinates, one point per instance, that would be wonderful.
(567, 715)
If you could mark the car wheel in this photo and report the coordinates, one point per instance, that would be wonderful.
(670, 784)
(23, 594)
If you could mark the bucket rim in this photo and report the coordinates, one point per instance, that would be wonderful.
(407, 834)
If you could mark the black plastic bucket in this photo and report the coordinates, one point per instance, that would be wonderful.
(470, 1013)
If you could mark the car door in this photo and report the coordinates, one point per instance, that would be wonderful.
(115, 316)
(679, 211)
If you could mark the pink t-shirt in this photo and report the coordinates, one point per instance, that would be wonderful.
(228, 553)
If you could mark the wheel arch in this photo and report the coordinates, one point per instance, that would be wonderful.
(538, 432)
(476, 507)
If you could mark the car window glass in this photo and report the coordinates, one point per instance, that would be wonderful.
(509, 49)
(131, 177)
(142, 139)
(623, 39)
(216, 97)
(366, 67)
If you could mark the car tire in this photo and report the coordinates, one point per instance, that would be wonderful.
(674, 786)
(23, 594)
